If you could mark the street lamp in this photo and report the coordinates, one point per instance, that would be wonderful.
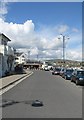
(63, 38)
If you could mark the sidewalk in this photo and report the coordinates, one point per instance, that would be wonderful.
(5, 81)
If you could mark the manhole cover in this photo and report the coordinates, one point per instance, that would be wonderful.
(37, 103)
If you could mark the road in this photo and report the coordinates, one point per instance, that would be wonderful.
(61, 98)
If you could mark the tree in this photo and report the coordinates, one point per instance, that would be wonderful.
(10, 60)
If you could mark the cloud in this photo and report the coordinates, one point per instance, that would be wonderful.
(18, 33)
(75, 30)
(74, 54)
(42, 43)
(3, 9)
(62, 28)
(75, 40)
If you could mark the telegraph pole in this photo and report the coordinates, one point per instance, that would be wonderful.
(37, 57)
(63, 38)
(28, 55)
(63, 50)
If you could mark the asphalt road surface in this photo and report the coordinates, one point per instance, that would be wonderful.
(61, 98)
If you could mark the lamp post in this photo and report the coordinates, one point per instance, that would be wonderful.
(63, 38)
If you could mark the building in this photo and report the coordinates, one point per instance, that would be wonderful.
(20, 58)
(6, 55)
(1, 55)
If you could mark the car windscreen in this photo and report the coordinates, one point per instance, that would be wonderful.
(69, 71)
(80, 73)
(57, 69)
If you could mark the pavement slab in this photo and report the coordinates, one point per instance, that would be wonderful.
(5, 81)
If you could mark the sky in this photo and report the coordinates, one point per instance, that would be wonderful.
(36, 27)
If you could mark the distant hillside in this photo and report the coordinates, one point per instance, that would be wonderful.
(59, 62)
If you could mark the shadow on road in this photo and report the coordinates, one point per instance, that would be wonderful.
(7, 103)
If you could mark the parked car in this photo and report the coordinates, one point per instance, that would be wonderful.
(78, 77)
(62, 71)
(46, 68)
(56, 71)
(67, 74)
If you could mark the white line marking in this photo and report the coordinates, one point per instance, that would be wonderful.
(14, 84)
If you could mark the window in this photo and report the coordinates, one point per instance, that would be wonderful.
(23, 59)
(16, 58)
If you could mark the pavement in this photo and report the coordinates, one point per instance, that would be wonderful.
(6, 81)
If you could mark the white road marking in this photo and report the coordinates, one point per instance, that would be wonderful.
(14, 84)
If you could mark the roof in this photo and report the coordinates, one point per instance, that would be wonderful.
(1, 34)
(18, 54)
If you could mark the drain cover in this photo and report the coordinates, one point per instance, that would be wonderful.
(37, 103)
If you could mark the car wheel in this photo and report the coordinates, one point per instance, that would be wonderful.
(77, 82)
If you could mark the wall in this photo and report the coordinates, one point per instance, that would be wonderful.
(1, 65)
(6, 52)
